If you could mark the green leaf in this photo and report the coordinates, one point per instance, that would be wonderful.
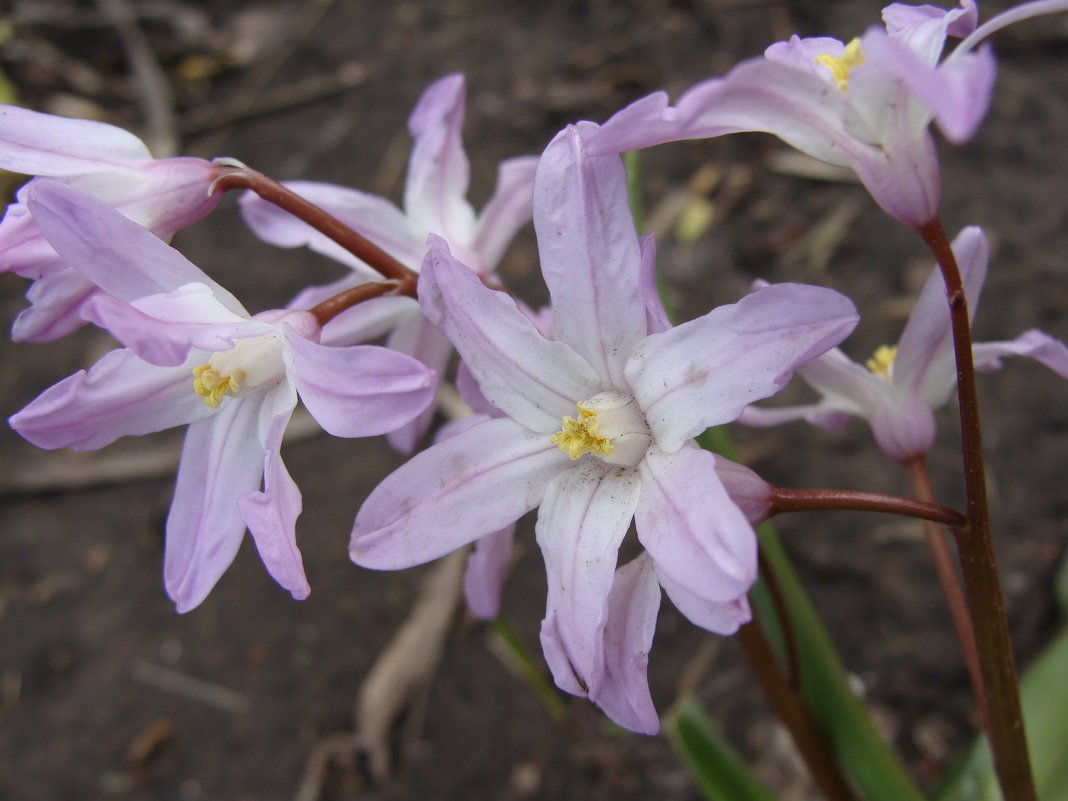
(852, 734)
(1044, 698)
(718, 771)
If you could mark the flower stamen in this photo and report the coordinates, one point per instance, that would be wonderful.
(882, 361)
(841, 66)
(579, 436)
(212, 387)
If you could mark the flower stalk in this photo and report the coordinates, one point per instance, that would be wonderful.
(811, 500)
(976, 547)
(942, 559)
(810, 740)
(323, 222)
(330, 308)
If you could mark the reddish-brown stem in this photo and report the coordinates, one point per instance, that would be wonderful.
(326, 224)
(946, 572)
(782, 611)
(807, 736)
(335, 304)
(1008, 740)
(811, 500)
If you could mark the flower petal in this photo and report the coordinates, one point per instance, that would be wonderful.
(656, 316)
(582, 521)
(798, 106)
(368, 320)
(704, 372)
(271, 514)
(222, 459)
(32, 143)
(56, 302)
(417, 337)
(162, 329)
(485, 572)
(438, 170)
(532, 379)
(23, 250)
(115, 253)
(507, 211)
(121, 395)
(1034, 343)
(724, 617)
(924, 28)
(924, 364)
(905, 429)
(694, 532)
(633, 605)
(453, 493)
(369, 215)
(957, 92)
(818, 414)
(360, 391)
(589, 252)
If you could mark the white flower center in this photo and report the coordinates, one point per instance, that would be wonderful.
(609, 425)
(251, 364)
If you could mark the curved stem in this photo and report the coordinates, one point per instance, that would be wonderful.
(330, 308)
(943, 562)
(975, 544)
(323, 222)
(810, 500)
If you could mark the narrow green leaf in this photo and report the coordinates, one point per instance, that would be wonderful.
(1044, 698)
(530, 669)
(718, 771)
(853, 736)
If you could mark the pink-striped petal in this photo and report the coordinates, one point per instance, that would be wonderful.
(484, 577)
(56, 302)
(508, 210)
(704, 372)
(32, 143)
(271, 513)
(360, 391)
(453, 493)
(417, 337)
(162, 329)
(924, 364)
(121, 395)
(719, 617)
(582, 521)
(633, 605)
(438, 170)
(372, 216)
(531, 379)
(115, 253)
(1034, 344)
(222, 459)
(692, 529)
(589, 251)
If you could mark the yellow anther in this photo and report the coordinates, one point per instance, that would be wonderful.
(579, 436)
(882, 361)
(212, 387)
(840, 66)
